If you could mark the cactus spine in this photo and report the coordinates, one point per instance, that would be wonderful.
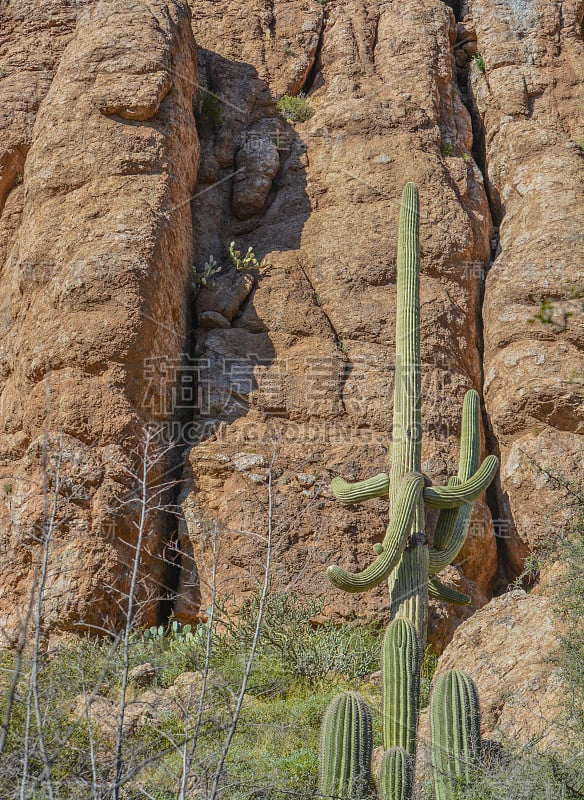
(404, 558)
(456, 732)
(345, 748)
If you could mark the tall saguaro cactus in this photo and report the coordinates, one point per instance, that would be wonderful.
(405, 558)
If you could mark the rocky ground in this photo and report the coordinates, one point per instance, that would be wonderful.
(140, 139)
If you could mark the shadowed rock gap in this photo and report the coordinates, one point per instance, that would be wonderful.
(181, 424)
(316, 64)
(455, 5)
(496, 501)
(231, 335)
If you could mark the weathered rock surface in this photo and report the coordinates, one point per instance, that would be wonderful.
(257, 163)
(530, 102)
(96, 237)
(147, 708)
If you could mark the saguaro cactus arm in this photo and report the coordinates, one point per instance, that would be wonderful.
(440, 559)
(467, 491)
(439, 591)
(470, 436)
(446, 523)
(393, 543)
(377, 486)
(452, 527)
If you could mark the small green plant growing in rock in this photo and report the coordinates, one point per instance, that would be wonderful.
(467, 157)
(447, 149)
(18, 179)
(287, 50)
(249, 260)
(530, 572)
(545, 313)
(479, 61)
(410, 566)
(207, 112)
(295, 108)
(204, 277)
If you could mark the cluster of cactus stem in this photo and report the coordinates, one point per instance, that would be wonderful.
(410, 566)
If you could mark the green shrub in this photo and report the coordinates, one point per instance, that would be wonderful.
(545, 312)
(305, 649)
(294, 108)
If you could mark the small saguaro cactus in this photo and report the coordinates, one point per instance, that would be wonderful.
(404, 558)
(396, 774)
(345, 749)
(456, 732)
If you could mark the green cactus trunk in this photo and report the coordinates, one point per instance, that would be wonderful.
(408, 583)
(345, 749)
(406, 447)
(400, 664)
(456, 733)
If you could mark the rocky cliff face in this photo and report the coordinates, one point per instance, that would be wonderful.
(530, 102)
(100, 156)
(314, 339)
(286, 376)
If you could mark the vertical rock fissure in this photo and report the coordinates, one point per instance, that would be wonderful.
(223, 124)
(171, 554)
(316, 64)
(180, 423)
(495, 497)
(11, 172)
(455, 5)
